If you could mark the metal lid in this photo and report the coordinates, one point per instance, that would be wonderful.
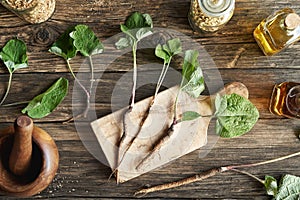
(216, 8)
(292, 21)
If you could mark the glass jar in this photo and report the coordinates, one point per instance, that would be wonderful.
(278, 31)
(285, 100)
(210, 15)
(32, 11)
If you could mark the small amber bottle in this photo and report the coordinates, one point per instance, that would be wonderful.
(285, 100)
(278, 31)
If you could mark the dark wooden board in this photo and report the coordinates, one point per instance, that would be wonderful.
(235, 54)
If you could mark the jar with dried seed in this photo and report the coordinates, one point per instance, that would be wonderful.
(210, 15)
(33, 11)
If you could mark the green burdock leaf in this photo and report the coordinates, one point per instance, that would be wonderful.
(271, 185)
(138, 20)
(166, 51)
(14, 55)
(190, 115)
(193, 82)
(236, 116)
(289, 188)
(220, 104)
(64, 46)
(85, 41)
(43, 104)
(123, 43)
(137, 26)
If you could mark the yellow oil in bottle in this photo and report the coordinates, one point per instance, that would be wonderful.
(278, 31)
(285, 100)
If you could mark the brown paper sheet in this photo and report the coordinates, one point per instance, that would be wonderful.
(188, 136)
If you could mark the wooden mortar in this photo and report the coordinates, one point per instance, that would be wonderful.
(28, 159)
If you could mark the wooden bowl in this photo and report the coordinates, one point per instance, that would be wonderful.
(44, 164)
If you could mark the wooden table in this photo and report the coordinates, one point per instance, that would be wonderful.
(235, 53)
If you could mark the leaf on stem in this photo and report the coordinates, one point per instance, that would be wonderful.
(190, 115)
(220, 104)
(236, 115)
(64, 46)
(14, 55)
(43, 104)
(289, 188)
(271, 185)
(193, 80)
(137, 26)
(85, 41)
(166, 51)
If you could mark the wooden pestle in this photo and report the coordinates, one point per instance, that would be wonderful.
(20, 156)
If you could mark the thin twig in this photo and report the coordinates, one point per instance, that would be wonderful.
(15, 104)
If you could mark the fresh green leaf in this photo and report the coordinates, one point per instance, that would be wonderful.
(220, 104)
(289, 188)
(43, 104)
(64, 46)
(271, 185)
(138, 20)
(85, 41)
(190, 115)
(123, 43)
(137, 26)
(14, 55)
(171, 48)
(161, 53)
(193, 80)
(238, 117)
(142, 33)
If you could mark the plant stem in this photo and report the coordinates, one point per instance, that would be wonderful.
(264, 162)
(250, 175)
(15, 104)
(92, 73)
(87, 93)
(212, 172)
(134, 49)
(162, 76)
(8, 88)
(70, 69)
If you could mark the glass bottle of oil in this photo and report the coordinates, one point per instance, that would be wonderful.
(285, 100)
(278, 31)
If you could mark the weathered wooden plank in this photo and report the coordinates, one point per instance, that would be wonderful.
(259, 83)
(80, 175)
(222, 46)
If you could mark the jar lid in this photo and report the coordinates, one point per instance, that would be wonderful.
(216, 8)
(292, 21)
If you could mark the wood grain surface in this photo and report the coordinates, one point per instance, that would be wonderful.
(236, 55)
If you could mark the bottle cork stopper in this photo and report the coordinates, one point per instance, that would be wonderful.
(292, 21)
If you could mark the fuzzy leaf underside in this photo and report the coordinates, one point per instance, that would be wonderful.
(237, 118)
(43, 104)
(14, 56)
(166, 51)
(193, 83)
(289, 188)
